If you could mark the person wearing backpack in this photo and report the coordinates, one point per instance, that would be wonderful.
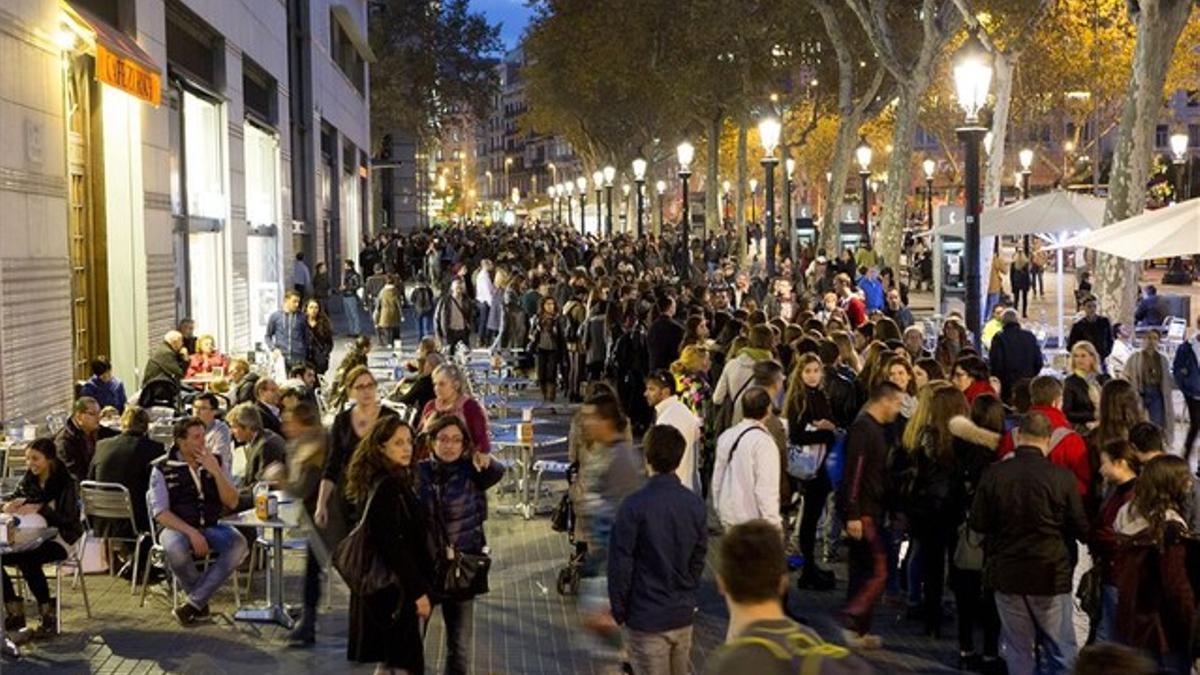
(745, 482)
(751, 575)
(1067, 448)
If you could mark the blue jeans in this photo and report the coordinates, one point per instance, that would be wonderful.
(353, 318)
(460, 632)
(1107, 630)
(226, 543)
(425, 324)
(1156, 408)
(1043, 621)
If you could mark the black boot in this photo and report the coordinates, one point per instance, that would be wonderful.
(305, 632)
(14, 615)
(49, 623)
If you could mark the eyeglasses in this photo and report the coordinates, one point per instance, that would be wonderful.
(450, 440)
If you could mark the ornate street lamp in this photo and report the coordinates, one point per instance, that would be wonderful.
(1025, 156)
(685, 153)
(930, 167)
(863, 154)
(768, 134)
(789, 173)
(753, 200)
(1179, 146)
(972, 78)
(554, 203)
(581, 183)
(639, 177)
(568, 188)
(610, 172)
(598, 186)
(661, 188)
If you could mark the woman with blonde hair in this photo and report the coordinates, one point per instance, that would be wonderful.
(845, 345)
(1081, 388)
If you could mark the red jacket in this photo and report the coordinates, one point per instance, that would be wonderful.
(856, 311)
(979, 387)
(1070, 452)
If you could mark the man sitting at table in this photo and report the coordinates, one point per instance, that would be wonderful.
(188, 494)
(106, 388)
(75, 443)
(266, 400)
(261, 446)
(168, 361)
(126, 459)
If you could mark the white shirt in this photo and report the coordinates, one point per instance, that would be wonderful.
(485, 291)
(748, 487)
(673, 412)
(1121, 351)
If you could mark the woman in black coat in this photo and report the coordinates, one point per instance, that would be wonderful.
(320, 332)
(46, 492)
(1081, 389)
(810, 422)
(385, 626)
(548, 341)
(453, 482)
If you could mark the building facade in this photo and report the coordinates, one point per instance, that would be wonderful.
(167, 159)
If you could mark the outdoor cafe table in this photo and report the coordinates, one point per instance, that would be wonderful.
(23, 540)
(506, 440)
(288, 517)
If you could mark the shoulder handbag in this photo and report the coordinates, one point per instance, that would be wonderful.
(461, 576)
(361, 566)
(968, 552)
(804, 461)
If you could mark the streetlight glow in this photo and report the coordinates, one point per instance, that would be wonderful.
(660, 187)
(639, 169)
(768, 133)
(930, 166)
(972, 77)
(725, 186)
(581, 183)
(1179, 145)
(685, 153)
(863, 154)
(789, 165)
(610, 172)
(625, 189)
(1026, 158)
(597, 179)
(753, 185)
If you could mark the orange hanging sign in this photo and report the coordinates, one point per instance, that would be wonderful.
(128, 75)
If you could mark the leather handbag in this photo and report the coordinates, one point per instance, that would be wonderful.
(461, 576)
(361, 566)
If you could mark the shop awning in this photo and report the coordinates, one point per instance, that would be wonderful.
(342, 15)
(120, 60)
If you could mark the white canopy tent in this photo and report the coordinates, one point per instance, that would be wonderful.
(1050, 215)
(1161, 233)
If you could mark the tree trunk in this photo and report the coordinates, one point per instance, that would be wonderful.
(835, 188)
(712, 183)
(1002, 76)
(1158, 26)
(739, 201)
(889, 231)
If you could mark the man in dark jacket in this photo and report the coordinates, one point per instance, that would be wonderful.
(1014, 354)
(262, 446)
(1027, 510)
(454, 316)
(860, 499)
(1151, 310)
(75, 443)
(664, 336)
(266, 400)
(126, 459)
(287, 331)
(656, 559)
(167, 361)
(1094, 328)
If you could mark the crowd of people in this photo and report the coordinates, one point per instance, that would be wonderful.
(808, 417)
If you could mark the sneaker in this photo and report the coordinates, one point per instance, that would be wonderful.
(186, 614)
(861, 640)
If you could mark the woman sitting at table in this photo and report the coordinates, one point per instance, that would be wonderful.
(417, 393)
(452, 396)
(47, 493)
(206, 358)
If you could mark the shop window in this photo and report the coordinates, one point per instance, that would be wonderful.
(346, 56)
(204, 165)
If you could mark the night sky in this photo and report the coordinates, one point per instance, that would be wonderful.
(513, 15)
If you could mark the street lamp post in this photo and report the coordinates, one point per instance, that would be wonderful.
(789, 172)
(661, 188)
(1026, 158)
(581, 183)
(863, 154)
(685, 153)
(625, 208)
(610, 172)
(768, 134)
(639, 177)
(972, 77)
(1179, 144)
(930, 167)
(554, 203)
(568, 189)
(598, 186)
(507, 163)
(754, 201)
(725, 193)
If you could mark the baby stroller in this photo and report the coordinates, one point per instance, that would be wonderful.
(563, 520)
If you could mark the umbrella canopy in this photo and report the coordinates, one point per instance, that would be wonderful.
(1057, 211)
(1161, 233)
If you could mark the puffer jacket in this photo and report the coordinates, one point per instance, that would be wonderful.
(453, 494)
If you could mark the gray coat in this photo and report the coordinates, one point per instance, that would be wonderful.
(1133, 374)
